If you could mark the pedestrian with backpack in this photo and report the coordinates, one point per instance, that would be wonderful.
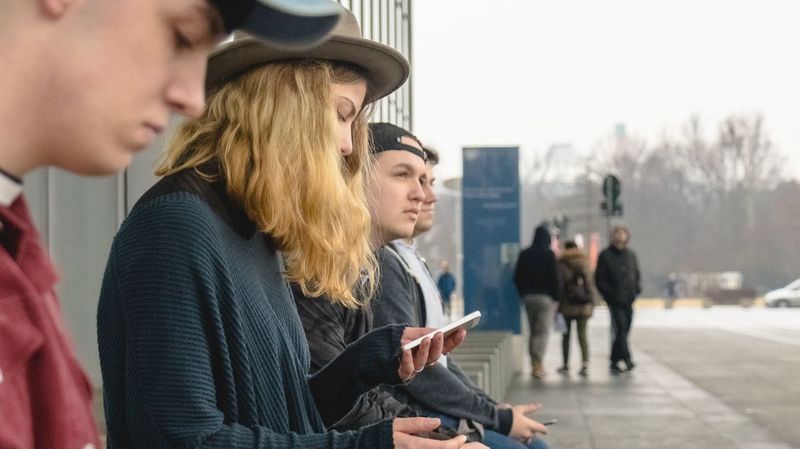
(576, 303)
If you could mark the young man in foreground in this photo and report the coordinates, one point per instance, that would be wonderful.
(86, 84)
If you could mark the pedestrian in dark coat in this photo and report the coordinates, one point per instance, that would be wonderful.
(536, 279)
(446, 285)
(576, 303)
(618, 280)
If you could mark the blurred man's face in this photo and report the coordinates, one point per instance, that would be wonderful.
(119, 69)
(425, 218)
(620, 238)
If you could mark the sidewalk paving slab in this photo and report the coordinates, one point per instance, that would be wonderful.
(652, 407)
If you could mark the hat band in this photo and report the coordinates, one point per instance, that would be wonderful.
(402, 147)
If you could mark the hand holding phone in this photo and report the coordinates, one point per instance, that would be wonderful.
(440, 433)
(467, 323)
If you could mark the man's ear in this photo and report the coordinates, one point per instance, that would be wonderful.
(55, 9)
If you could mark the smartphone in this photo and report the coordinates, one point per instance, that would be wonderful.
(440, 433)
(550, 422)
(468, 322)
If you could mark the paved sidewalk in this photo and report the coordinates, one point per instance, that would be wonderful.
(651, 407)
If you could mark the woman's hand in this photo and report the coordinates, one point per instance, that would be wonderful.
(414, 360)
(405, 428)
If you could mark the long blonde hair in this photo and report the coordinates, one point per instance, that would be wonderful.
(272, 133)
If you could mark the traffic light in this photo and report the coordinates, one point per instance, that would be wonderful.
(612, 187)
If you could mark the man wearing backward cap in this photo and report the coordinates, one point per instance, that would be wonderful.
(86, 84)
(397, 193)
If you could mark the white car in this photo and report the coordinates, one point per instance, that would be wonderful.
(784, 297)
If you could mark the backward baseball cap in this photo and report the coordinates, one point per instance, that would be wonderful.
(291, 24)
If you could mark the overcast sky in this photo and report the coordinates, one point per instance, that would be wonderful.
(534, 73)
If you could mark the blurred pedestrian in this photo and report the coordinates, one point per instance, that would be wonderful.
(618, 280)
(576, 303)
(446, 285)
(671, 290)
(536, 279)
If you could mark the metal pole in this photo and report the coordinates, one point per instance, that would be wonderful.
(409, 24)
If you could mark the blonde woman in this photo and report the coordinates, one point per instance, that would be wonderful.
(200, 342)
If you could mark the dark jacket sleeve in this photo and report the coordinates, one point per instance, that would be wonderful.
(638, 274)
(325, 325)
(372, 407)
(554, 277)
(518, 275)
(563, 277)
(370, 361)
(396, 301)
(603, 280)
(329, 328)
(435, 388)
(438, 388)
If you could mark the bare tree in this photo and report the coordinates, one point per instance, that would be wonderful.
(696, 202)
(623, 155)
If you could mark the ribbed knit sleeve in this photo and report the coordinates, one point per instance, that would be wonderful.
(169, 345)
(371, 360)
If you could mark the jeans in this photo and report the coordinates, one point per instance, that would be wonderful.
(621, 320)
(497, 440)
(540, 317)
(582, 340)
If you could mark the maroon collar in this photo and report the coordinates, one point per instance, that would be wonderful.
(21, 245)
(10, 188)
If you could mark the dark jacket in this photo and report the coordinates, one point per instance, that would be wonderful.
(617, 276)
(440, 389)
(576, 288)
(330, 328)
(446, 285)
(536, 272)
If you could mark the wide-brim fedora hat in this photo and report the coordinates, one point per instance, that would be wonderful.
(386, 68)
(283, 23)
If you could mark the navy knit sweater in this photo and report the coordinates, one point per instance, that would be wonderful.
(200, 342)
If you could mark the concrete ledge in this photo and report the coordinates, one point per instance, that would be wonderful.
(487, 356)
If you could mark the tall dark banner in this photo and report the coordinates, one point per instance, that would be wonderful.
(490, 217)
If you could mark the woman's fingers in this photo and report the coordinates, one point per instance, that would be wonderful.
(406, 369)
